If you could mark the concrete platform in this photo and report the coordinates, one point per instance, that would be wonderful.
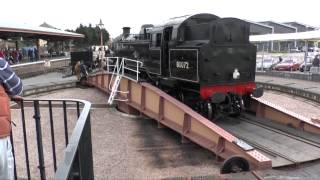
(294, 83)
(307, 76)
(307, 89)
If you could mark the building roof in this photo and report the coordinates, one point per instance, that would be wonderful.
(46, 25)
(259, 24)
(305, 25)
(308, 35)
(9, 30)
(281, 24)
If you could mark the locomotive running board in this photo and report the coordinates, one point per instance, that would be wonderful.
(168, 111)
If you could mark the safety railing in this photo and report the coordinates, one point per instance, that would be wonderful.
(43, 145)
(121, 67)
(111, 63)
(130, 67)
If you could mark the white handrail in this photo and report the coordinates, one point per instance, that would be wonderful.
(116, 72)
(136, 70)
(119, 70)
(123, 67)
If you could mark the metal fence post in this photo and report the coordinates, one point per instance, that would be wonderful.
(37, 118)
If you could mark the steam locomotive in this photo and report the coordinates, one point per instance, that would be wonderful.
(205, 61)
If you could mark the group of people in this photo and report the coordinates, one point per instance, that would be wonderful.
(10, 88)
(12, 56)
(30, 52)
(15, 56)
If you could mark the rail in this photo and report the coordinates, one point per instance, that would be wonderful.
(77, 162)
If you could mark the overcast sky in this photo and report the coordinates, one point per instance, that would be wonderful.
(68, 14)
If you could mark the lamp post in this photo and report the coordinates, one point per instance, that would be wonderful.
(101, 49)
(101, 37)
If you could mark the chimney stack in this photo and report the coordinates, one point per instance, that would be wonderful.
(126, 31)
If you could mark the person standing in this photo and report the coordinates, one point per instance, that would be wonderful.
(316, 61)
(10, 87)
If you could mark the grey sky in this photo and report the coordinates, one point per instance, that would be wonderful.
(118, 13)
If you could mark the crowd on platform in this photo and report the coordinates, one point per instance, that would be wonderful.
(14, 56)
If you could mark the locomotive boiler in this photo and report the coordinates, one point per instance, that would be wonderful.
(205, 61)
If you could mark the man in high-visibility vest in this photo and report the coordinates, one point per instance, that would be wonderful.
(10, 87)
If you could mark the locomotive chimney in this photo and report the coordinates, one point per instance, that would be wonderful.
(126, 31)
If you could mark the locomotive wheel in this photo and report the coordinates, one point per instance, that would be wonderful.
(235, 164)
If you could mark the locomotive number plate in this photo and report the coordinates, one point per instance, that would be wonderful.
(184, 64)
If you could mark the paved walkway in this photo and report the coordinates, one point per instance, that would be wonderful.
(295, 83)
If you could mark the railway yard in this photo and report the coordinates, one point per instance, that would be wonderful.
(128, 146)
(180, 100)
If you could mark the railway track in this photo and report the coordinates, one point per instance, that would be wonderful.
(282, 144)
(286, 131)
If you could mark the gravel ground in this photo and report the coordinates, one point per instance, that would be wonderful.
(128, 147)
(123, 147)
(298, 105)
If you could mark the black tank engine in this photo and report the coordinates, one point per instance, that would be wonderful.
(204, 61)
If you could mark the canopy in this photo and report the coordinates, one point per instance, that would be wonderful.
(308, 35)
(9, 30)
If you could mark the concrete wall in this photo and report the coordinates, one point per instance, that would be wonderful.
(35, 68)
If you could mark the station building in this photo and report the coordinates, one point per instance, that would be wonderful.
(272, 27)
(24, 39)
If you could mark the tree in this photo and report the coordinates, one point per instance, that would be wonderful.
(92, 35)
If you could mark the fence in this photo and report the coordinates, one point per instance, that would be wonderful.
(42, 137)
